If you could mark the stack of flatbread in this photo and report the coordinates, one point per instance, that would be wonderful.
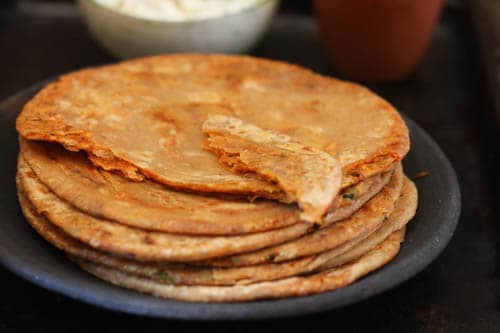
(215, 178)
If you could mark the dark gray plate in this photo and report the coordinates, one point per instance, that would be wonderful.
(26, 254)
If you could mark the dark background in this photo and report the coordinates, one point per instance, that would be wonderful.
(448, 96)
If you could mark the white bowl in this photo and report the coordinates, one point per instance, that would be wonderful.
(128, 37)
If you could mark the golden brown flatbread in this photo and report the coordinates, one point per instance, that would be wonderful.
(296, 286)
(361, 224)
(148, 205)
(151, 246)
(142, 244)
(143, 118)
(307, 176)
(405, 210)
(186, 275)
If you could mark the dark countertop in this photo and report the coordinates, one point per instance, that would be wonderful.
(458, 292)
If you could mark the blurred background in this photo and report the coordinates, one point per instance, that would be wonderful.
(437, 61)
(368, 41)
(376, 42)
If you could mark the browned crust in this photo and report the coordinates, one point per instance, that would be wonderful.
(156, 246)
(365, 221)
(99, 193)
(168, 273)
(77, 181)
(141, 244)
(295, 286)
(37, 123)
(308, 176)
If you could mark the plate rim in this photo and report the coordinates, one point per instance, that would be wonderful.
(254, 310)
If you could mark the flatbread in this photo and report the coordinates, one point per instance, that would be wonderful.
(143, 118)
(141, 244)
(361, 224)
(405, 209)
(185, 275)
(308, 176)
(296, 286)
(148, 205)
(158, 246)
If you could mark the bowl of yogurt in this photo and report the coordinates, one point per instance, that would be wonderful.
(135, 28)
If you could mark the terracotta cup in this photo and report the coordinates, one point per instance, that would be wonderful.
(376, 40)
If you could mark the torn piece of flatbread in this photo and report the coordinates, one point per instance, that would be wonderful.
(308, 176)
